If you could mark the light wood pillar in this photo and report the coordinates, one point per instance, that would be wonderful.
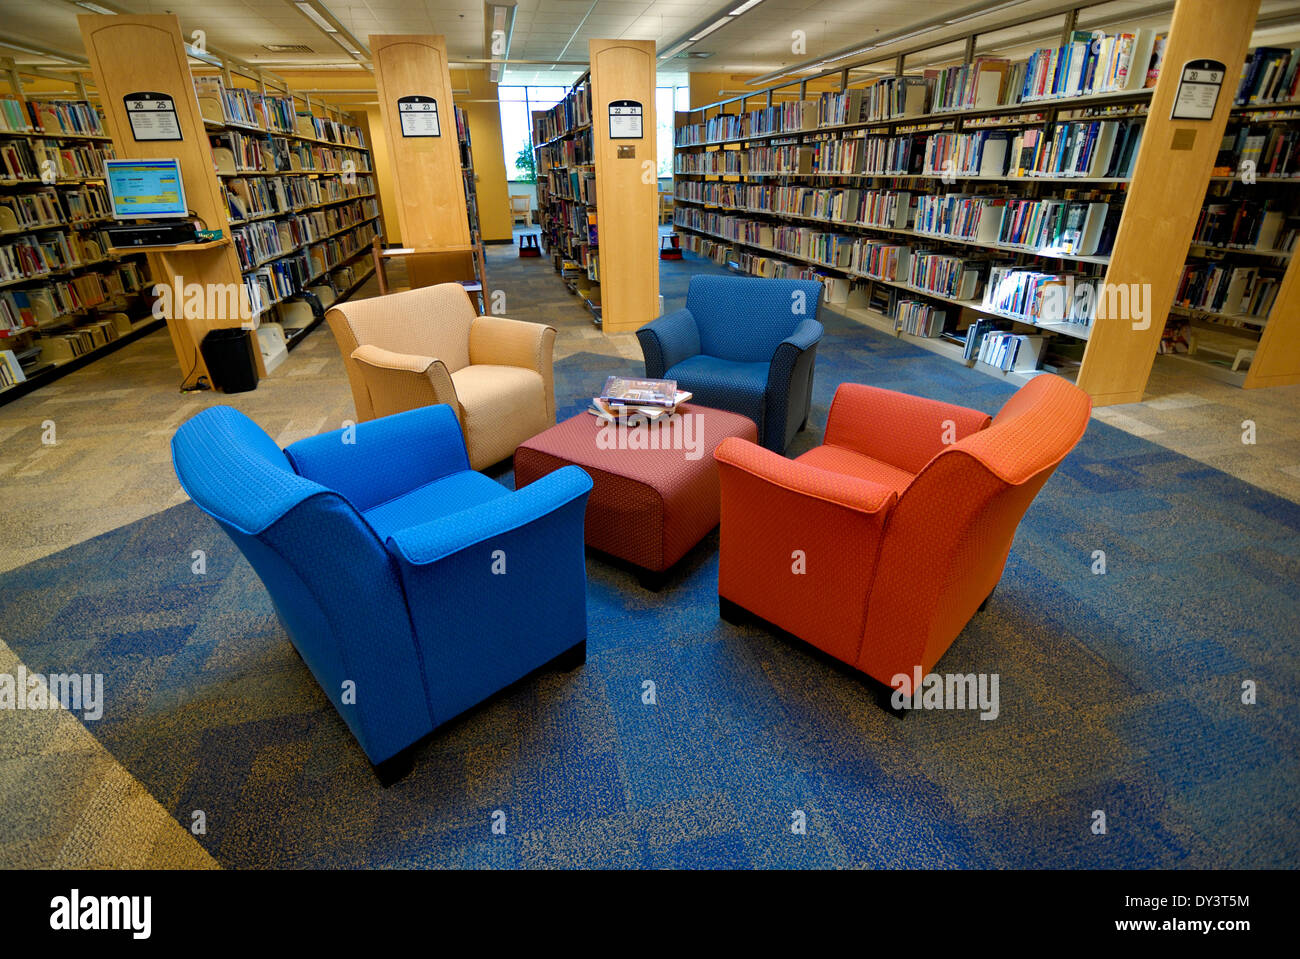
(627, 190)
(133, 54)
(1165, 196)
(427, 179)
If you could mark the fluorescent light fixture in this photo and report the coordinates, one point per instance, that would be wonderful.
(39, 53)
(716, 24)
(95, 8)
(314, 15)
(748, 5)
(675, 49)
(980, 13)
(501, 19)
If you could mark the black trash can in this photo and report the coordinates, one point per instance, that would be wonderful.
(230, 359)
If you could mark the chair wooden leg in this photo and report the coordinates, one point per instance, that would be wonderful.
(734, 614)
(395, 767)
(652, 580)
(885, 697)
(571, 658)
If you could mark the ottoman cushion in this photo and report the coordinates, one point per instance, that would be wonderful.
(647, 506)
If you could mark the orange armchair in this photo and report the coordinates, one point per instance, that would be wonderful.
(880, 545)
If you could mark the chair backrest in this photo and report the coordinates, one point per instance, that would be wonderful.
(520, 203)
(952, 529)
(428, 321)
(745, 318)
(332, 583)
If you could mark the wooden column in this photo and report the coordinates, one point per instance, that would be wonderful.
(427, 179)
(1165, 196)
(627, 190)
(132, 54)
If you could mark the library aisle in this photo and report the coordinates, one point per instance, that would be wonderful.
(534, 435)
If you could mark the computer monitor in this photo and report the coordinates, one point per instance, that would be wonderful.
(146, 189)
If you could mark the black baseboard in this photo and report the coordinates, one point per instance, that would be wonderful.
(50, 374)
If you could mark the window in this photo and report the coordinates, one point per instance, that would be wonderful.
(517, 106)
(667, 100)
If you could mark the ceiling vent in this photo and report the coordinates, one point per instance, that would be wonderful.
(288, 48)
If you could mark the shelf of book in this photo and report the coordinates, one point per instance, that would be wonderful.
(566, 191)
(1032, 165)
(1227, 298)
(468, 176)
(65, 296)
(300, 195)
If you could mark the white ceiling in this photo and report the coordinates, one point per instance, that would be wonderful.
(757, 42)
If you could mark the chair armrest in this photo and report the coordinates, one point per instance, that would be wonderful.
(398, 382)
(372, 462)
(667, 341)
(806, 335)
(896, 428)
(429, 542)
(789, 384)
(503, 342)
(499, 341)
(496, 590)
(798, 545)
(851, 492)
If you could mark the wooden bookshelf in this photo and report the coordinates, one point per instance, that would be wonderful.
(292, 190)
(1238, 309)
(762, 186)
(567, 208)
(66, 297)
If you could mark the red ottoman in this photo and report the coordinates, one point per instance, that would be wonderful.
(655, 492)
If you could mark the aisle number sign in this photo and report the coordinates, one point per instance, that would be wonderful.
(625, 120)
(152, 116)
(1198, 90)
(419, 116)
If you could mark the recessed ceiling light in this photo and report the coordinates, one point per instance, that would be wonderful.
(721, 22)
(316, 18)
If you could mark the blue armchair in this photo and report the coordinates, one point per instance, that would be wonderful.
(742, 344)
(412, 587)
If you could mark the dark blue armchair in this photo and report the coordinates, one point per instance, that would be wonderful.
(742, 344)
(412, 587)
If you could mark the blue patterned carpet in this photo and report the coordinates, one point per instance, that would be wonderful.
(1119, 692)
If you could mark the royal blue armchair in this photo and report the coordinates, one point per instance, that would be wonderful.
(412, 587)
(742, 344)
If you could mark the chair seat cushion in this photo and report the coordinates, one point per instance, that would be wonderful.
(502, 406)
(836, 459)
(442, 497)
(723, 384)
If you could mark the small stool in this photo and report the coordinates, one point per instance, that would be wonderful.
(528, 245)
(670, 247)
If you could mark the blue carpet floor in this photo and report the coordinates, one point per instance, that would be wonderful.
(1119, 692)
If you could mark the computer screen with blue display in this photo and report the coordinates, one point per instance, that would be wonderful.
(146, 189)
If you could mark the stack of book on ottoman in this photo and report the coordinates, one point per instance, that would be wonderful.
(630, 400)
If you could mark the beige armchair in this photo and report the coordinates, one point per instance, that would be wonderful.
(426, 346)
